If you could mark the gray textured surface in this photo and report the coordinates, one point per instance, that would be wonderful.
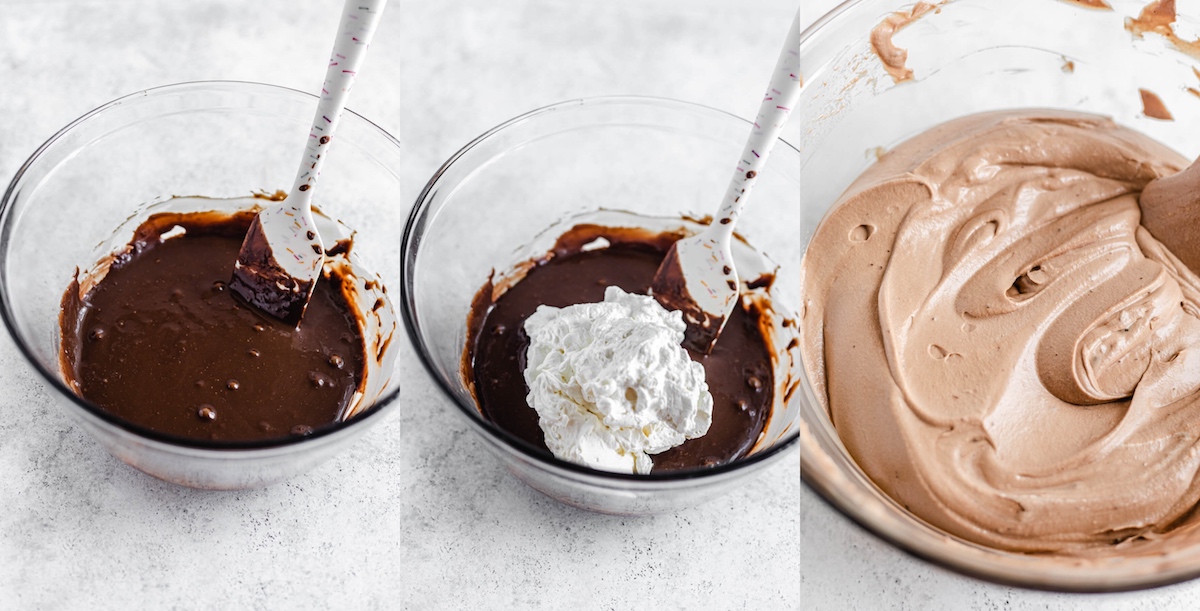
(844, 567)
(417, 515)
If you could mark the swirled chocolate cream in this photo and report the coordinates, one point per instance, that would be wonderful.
(1001, 345)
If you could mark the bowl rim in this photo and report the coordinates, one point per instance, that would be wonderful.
(815, 27)
(1065, 578)
(410, 244)
(91, 409)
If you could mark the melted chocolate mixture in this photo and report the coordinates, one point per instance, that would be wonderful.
(161, 342)
(738, 370)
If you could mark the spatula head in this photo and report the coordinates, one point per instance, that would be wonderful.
(697, 278)
(261, 280)
(1171, 211)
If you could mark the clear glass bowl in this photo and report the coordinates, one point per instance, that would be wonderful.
(511, 191)
(124, 161)
(968, 57)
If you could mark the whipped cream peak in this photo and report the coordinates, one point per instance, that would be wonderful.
(611, 383)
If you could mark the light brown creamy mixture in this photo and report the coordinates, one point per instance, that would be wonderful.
(1002, 347)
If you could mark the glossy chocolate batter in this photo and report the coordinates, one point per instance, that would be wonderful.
(738, 370)
(161, 342)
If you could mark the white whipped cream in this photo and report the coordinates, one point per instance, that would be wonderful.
(611, 383)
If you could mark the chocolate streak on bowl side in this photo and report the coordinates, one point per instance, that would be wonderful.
(1153, 107)
(1157, 17)
(738, 371)
(1095, 4)
(161, 342)
(893, 58)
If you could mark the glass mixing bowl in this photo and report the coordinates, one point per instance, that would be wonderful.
(967, 57)
(125, 160)
(504, 198)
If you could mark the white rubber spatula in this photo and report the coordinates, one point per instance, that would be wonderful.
(282, 255)
(1171, 213)
(697, 276)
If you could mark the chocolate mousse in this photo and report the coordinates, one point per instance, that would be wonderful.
(161, 342)
(738, 370)
(1003, 347)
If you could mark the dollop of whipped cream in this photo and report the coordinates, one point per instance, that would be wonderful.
(611, 383)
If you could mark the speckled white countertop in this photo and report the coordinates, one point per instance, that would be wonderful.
(844, 567)
(417, 515)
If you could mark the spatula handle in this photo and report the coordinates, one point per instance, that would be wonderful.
(782, 96)
(359, 20)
